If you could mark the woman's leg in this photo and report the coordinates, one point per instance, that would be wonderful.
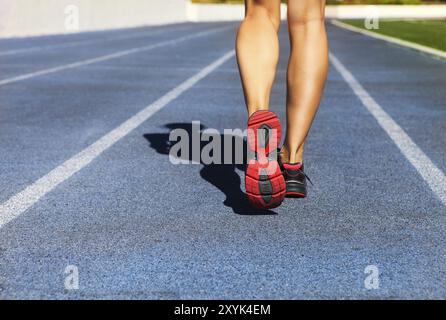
(258, 51)
(257, 57)
(307, 72)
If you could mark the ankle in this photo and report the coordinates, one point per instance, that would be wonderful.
(253, 109)
(290, 157)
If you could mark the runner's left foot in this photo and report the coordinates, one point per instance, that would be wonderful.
(265, 185)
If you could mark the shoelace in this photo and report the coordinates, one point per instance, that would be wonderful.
(306, 176)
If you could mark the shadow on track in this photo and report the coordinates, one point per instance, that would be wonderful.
(222, 176)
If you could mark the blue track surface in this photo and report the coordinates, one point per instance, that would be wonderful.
(137, 226)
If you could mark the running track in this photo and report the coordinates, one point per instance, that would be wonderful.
(85, 179)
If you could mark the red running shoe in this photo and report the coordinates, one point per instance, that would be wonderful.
(264, 182)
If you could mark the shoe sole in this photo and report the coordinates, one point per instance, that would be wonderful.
(292, 194)
(295, 195)
(264, 182)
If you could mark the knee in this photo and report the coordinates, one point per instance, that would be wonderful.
(258, 9)
(302, 13)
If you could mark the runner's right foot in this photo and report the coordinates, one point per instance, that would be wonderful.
(295, 179)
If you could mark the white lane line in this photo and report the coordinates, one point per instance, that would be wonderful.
(73, 44)
(19, 203)
(110, 56)
(400, 42)
(433, 176)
